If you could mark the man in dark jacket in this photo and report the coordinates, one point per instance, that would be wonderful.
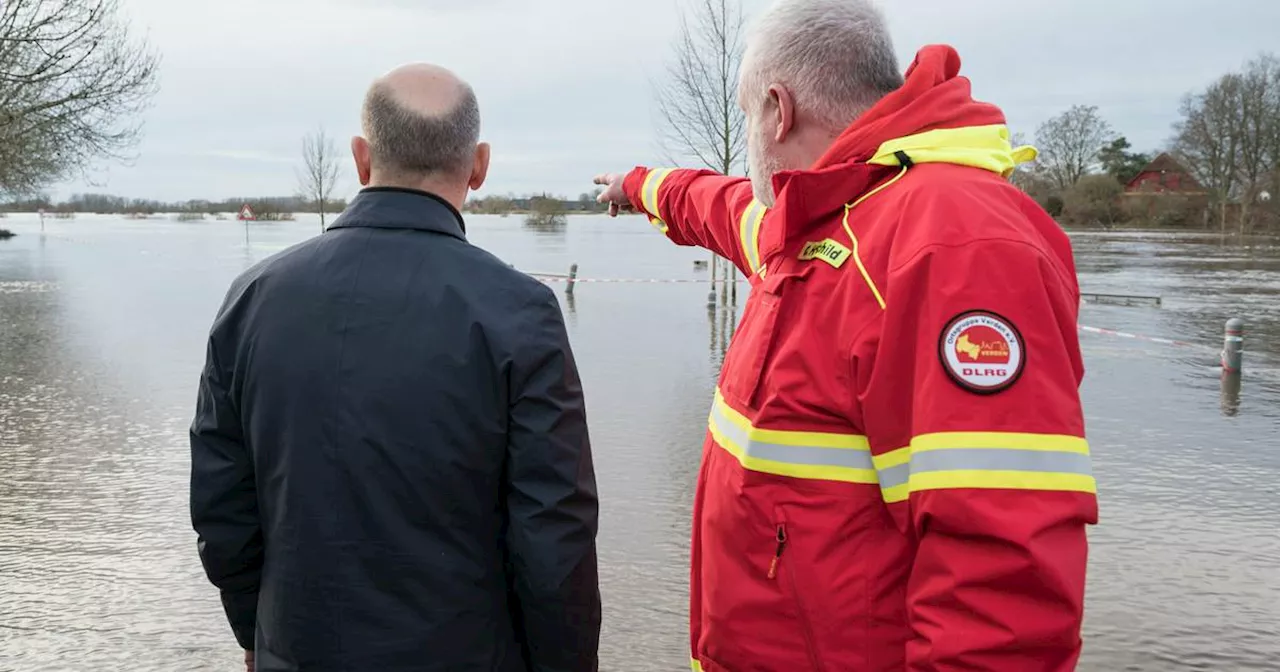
(390, 467)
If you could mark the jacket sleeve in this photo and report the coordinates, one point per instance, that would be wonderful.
(975, 422)
(224, 504)
(551, 499)
(702, 208)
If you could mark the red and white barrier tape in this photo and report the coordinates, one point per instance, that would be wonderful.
(1136, 337)
(560, 278)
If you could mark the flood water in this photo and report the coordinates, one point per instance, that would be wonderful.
(102, 324)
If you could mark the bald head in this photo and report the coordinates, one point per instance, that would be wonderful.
(421, 122)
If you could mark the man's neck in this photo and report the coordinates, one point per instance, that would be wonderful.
(454, 194)
(814, 145)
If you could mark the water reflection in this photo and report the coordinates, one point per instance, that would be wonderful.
(101, 339)
(1231, 385)
(570, 308)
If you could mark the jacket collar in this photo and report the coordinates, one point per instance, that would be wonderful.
(399, 208)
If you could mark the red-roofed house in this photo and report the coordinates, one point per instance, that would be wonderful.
(1164, 175)
(1165, 194)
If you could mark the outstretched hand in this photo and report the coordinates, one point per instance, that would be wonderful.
(613, 193)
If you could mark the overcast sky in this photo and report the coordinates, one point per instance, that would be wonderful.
(564, 85)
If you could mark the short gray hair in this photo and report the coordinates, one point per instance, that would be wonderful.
(406, 143)
(834, 56)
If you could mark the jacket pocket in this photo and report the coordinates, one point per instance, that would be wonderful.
(788, 571)
(753, 341)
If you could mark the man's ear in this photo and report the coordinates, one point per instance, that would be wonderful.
(783, 107)
(480, 167)
(364, 159)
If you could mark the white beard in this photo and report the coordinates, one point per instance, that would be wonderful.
(763, 166)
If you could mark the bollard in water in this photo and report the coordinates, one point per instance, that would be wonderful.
(1230, 399)
(1233, 346)
(573, 276)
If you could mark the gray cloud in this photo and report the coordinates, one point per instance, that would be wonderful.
(564, 84)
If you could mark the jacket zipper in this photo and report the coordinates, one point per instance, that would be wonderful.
(781, 538)
(777, 554)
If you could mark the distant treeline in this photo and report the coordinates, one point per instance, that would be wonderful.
(543, 204)
(107, 204)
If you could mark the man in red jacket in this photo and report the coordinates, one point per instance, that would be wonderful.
(895, 475)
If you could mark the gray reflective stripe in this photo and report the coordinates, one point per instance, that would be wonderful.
(895, 476)
(986, 459)
(811, 455)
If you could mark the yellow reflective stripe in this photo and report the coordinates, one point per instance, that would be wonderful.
(1060, 443)
(695, 665)
(658, 224)
(991, 460)
(857, 258)
(1003, 480)
(649, 190)
(810, 455)
(986, 147)
(749, 233)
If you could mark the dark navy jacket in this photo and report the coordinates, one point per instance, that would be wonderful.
(390, 468)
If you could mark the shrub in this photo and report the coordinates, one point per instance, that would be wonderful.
(1094, 201)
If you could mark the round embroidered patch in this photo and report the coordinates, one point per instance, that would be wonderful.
(982, 351)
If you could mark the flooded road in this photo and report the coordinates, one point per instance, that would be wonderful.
(102, 323)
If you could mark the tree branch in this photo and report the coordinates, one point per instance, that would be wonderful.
(698, 101)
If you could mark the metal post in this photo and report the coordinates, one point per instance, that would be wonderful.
(724, 330)
(1229, 401)
(725, 269)
(711, 330)
(715, 266)
(573, 277)
(1233, 346)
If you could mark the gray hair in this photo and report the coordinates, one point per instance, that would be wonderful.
(834, 56)
(406, 143)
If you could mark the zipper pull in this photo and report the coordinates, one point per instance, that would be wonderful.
(777, 554)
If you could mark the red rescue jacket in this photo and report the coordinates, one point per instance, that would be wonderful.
(895, 475)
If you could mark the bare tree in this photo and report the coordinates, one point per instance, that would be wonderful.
(699, 100)
(73, 85)
(319, 173)
(1207, 139)
(1259, 115)
(1229, 136)
(1069, 144)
